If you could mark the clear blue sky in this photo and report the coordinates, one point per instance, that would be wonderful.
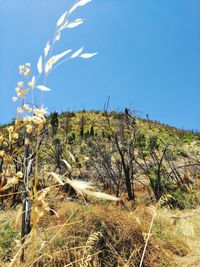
(149, 56)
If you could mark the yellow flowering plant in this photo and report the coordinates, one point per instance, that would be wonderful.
(30, 125)
(29, 128)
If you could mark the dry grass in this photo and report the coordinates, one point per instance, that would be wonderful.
(102, 234)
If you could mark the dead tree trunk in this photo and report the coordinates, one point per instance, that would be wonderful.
(26, 204)
(127, 171)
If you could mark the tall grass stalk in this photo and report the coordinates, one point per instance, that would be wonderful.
(155, 212)
(33, 118)
(148, 235)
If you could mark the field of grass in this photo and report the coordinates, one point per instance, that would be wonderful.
(74, 228)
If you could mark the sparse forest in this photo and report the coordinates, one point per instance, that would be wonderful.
(96, 188)
(84, 161)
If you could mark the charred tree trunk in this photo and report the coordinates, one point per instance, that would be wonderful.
(1, 197)
(126, 170)
(26, 204)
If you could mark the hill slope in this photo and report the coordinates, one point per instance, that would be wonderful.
(154, 169)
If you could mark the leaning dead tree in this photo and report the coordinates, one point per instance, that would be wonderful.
(105, 164)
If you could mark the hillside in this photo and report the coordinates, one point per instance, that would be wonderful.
(150, 170)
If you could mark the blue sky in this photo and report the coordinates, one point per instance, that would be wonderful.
(149, 56)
